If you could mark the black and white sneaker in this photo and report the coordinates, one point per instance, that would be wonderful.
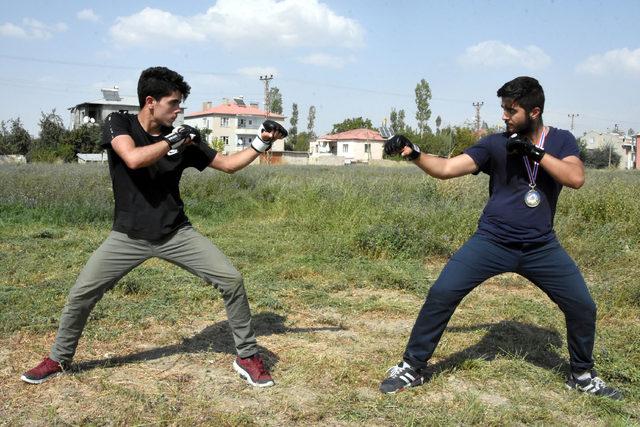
(401, 377)
(593, 385)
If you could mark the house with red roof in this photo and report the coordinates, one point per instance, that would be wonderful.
(354, 146)
(234, 122)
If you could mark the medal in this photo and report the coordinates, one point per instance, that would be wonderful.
(533, 196)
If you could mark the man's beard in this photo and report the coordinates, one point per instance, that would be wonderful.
(526, 128)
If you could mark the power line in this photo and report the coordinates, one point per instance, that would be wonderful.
(235, 74)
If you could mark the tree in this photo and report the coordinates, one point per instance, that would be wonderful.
(217, 144)
(14, 138)
(602, 157)
(423, 113)
(204, 135)
(84, 139)
(51, 130)
(275, 100)
(397, 121)
(355, 123)
(311, 120)
(631, 132)
(51, 144)
(293, 130)
(302, 141)
(438, 123)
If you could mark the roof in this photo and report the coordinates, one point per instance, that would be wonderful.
(128, 101)
(355, 135)
(235, 110)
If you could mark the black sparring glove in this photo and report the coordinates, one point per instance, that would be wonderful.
(517, 145)
(395, 145)
(268, 126)
(176, 138)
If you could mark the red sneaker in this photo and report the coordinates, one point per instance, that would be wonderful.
(253, 370)
(47, 369)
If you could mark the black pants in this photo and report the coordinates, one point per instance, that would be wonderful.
(547, 265)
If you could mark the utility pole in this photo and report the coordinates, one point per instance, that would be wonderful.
(572, 116)
(267, 104)
(477, 106)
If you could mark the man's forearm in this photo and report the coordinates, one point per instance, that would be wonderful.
(141, 157)
(566, 172)
(234, 162)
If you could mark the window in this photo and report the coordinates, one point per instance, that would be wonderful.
(225, 139)
(345, 148)
(367, 148)
(224, 122)
(241, 123)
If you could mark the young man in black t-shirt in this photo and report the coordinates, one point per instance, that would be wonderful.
(146, 160)
(528, 165)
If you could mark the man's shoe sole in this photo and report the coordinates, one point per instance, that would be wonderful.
(245, 375)
(32, 381)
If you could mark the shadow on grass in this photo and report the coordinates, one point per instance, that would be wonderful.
(509, 338)
(216, 338)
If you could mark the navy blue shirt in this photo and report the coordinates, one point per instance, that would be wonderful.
(147, 200)
(506, 218)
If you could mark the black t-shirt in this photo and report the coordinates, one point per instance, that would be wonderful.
(506, 218)
(147, 200)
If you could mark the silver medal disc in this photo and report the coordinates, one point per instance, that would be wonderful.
(532, 198)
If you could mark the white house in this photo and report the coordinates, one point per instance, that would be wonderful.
(356, 145)
(234, 122)
(98, 110)
(618, 143)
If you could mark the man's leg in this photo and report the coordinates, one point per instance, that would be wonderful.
(195, 253)
(551, 269)
(476, 261)
(117, 255)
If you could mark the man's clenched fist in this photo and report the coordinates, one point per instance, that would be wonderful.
(395, 145)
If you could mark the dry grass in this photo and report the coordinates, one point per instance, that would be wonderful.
(333, 303)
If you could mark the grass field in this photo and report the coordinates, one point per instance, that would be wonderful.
(337, 262)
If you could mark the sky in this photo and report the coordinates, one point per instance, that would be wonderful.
(347, 58)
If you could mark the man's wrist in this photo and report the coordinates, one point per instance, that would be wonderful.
(537, 153)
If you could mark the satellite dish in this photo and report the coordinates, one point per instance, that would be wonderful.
(85, 119)
(92, 120)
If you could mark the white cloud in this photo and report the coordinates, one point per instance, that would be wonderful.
(325, 60)
(258, 23)
(11, 30)
(494, 54)
(31, 29)
(154, 26)
(612, 61)
(255, 72)
(87, 15)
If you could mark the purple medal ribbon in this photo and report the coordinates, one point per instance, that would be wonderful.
(534, 173)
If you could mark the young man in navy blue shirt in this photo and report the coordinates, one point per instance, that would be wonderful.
(528, 165)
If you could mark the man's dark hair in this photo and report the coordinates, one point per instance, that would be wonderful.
(160, 81)
(526, 91)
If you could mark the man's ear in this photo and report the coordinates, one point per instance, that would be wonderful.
(535, 113)
(149, 101)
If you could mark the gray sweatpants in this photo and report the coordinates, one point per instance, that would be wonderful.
(120, 254)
